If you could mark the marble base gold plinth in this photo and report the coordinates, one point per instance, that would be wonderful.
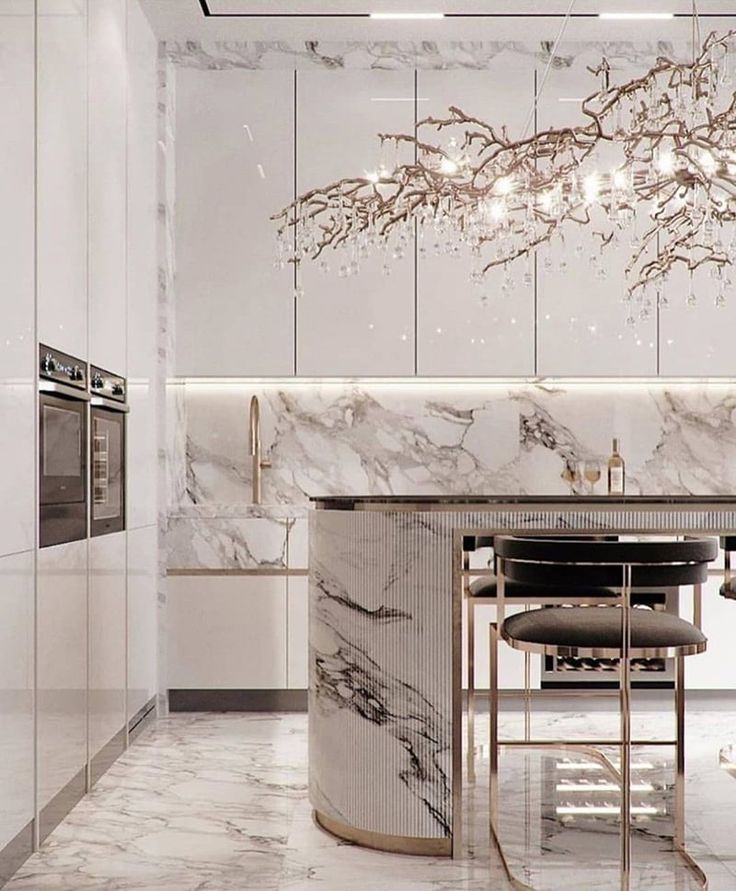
(393, 844)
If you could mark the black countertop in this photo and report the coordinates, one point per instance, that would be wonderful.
(353, 502)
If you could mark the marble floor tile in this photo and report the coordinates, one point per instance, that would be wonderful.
(210, 802)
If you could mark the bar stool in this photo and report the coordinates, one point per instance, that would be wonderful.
(728, 588)
(483, 591)
(613, 631)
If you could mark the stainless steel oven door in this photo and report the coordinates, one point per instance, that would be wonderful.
(107, 476)
(62, 469)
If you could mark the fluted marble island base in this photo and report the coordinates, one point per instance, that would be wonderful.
(385, 656)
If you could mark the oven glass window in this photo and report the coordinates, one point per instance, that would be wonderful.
(106, 468)
(62, 442)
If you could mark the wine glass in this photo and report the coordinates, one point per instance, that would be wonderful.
(592, 473)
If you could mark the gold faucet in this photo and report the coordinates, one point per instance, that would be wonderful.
(255, 448)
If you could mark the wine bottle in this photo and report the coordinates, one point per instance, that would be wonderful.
(616, 472)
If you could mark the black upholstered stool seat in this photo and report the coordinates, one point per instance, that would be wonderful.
(487, 586)
(728, 542)
(596, 632)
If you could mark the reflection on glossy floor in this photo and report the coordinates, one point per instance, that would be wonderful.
(218, 803)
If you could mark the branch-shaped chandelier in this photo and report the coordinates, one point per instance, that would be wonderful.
(655, 156)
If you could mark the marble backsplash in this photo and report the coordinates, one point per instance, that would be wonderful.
(448, 438)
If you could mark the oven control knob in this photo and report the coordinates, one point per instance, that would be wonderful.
(97, 383)
(118, 390)
(48, 364)
(76, 373)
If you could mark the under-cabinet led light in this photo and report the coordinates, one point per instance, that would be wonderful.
(636, 16)
(404, 16)
(411, 381)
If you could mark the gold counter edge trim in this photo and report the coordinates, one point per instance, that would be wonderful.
(391, 844)
(262, 571)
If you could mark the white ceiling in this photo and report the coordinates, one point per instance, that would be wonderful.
(466, 19)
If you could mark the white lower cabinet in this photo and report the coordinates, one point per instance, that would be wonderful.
(143, 617)
(107, 562)
(298, 632)
(510, 662)
(61, 667)
(227, 632)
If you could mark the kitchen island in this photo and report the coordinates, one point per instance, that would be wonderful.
(385, 627)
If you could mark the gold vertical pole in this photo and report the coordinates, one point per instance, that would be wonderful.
(625, 707)
(698, 605)
(680, 751)
(471, 687)
(493, 728)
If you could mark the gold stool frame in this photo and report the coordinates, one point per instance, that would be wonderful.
(622, 777)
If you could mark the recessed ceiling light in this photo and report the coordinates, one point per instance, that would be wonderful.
(397, 16)
(636, 16)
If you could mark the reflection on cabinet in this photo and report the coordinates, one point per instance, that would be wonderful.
(234, 307)
(364, 323)
(16, 694)
(17, 348)
(107, 183)
(106, 696)
(62, 176)
(465, 328)
(142, 617)
(62, 669)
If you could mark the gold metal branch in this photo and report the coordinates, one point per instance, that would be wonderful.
(671, 132)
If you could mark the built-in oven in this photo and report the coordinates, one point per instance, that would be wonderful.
(108, 408)
(62, 409)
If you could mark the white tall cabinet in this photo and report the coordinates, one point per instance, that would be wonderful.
(464, 328)
(362, 324)
(235, 167)
(582, 328)
(62, 175)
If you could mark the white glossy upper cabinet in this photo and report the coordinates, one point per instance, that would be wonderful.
(142, 269)
(62, 175)
(107, 184)
(697, 340)
(465, 328)
(362, 324)
(582, 326)
(17, 343)
(234, 168)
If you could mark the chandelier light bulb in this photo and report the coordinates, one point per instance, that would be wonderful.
(504, 185)
(591, 188)
(372, 176)
(666, 163)
(620, 179)
(448, 166)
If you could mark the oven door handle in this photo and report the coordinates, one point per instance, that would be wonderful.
(63, 390)
(110, 404)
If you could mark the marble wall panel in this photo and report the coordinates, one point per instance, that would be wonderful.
(372, 438)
